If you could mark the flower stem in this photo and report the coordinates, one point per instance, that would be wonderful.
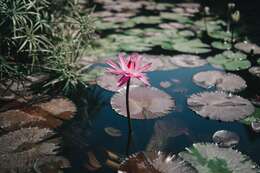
(127, 107)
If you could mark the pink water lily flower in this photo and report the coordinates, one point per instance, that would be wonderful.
(128, 68)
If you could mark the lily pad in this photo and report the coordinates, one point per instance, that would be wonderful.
(146, 20)
(248, 47)
(221, 35)
(223, 81)
(221, 45)
(155, 162)
(144, 103)
(220, 106)
(113, 131)
(172, 25)
(255, 71)
(176, 17)
(209, 158)
(165, 84)
(109, 82)
(191, 46)
(186, 60)
(254, 117)
(225, 138)
(232, 61)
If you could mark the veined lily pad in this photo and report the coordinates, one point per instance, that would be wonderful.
(186, 60)
(109, 82)
(191, 46)
(223, 81)
(229, 60)
(255, 71)
(144, 103)
(248, 47)
(225, 138)
(209, 158)
(155, 162)
(220, 106)
(221, 45)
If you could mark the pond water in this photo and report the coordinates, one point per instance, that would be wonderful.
(178, 129)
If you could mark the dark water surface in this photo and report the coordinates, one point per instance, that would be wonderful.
(93, 137)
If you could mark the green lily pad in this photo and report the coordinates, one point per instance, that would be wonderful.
(191, 46)
(212, 24)
(209, 158)
(175, 17)
(221, 45)
(100, 25)
(146, 20)
(232, 61)
(221, 35)
(135, 47)
(255, 117)
(127, 24)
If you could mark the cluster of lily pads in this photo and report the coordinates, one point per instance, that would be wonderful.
(178, 31)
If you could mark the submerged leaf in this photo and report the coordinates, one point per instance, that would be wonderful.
(144, 103)
(209, 158)
(113, 131)
(220, 106)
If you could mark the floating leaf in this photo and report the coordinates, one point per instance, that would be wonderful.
(109, 82)
(224, 138)
(101, 25)
(255, 71)
(229, 60)
(223, 81)
(176, 17)
(135, 47)
(172, 25)
(256, 126)
(221, 45)
(144, 103)
(209, 158)
(165, 84)
(254, 117)
(113, 131)
(221, 35)
(220, 106)
(248, 47)
(155, 162)
(13, 119)
(146, 20)
(189, 61)
(191, 46)
(93, 164)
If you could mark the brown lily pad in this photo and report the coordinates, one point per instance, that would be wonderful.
(221, 80)
(186, 60)
(248, 47)
(220, 106)
(155, 162)
(144, 103)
